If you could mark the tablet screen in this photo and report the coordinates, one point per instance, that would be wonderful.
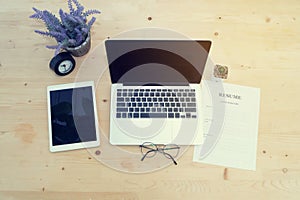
(72, 116)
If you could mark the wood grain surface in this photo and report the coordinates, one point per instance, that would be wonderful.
(258, 40)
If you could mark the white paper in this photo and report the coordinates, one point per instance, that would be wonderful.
(230, 114)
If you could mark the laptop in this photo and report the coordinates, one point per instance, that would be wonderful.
(155, 91)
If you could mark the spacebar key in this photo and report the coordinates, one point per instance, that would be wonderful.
(154, 115)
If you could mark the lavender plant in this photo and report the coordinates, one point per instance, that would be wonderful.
(71, 29)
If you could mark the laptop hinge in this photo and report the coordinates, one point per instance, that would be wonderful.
(155, 84)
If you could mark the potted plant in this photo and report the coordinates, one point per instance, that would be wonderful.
(71, 31)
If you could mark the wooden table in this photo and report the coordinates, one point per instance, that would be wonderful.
(258, 40)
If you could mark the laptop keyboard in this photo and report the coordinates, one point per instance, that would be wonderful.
(156, 103)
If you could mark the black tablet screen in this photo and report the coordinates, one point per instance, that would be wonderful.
(72, 116)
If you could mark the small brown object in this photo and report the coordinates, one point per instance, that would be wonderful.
(98, 152)
(221, 71)
(284, 170)
(149, 18)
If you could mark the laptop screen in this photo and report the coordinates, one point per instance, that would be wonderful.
(156, 62)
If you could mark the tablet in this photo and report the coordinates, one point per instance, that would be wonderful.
(72, 116)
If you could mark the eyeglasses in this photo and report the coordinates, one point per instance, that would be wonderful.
(149, 150)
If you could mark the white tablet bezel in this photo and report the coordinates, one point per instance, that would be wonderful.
(73, 146)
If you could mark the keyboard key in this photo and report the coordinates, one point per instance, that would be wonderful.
(120, 104)
(191, 104)
(136, 115)
(154, 115)
(190, 109)
(131, 109)
(170, 115)
(122, 109)
(177, 115)
(120, 99)
(124, 115)
(118, 115)
(191, 94)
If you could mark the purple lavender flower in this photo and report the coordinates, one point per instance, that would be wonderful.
(70, 29)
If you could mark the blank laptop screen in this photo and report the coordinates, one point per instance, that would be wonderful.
(160, 62)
